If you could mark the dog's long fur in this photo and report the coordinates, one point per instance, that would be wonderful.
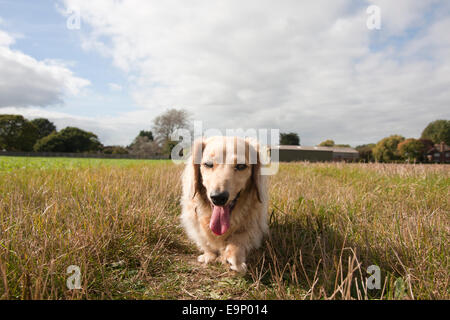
(248, 223)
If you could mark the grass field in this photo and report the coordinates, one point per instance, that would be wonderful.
(118, 221)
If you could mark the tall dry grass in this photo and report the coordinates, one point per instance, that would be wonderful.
(96, 218)
(119, 224)
(330, 222)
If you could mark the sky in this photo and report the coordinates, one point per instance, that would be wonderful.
(310, 67)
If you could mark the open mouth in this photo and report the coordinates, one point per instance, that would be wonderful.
(221, 216)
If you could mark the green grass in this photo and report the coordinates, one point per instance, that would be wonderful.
(12, 163)
(118, 221)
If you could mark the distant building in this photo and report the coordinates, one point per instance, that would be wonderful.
(344, 154)
(314, 154)
(440, 153)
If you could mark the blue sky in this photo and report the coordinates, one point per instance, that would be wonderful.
(43, 35)
(311, 68)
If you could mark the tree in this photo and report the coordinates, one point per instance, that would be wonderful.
(165, 124)
(289, 139)
(142, 133)
(386, 149)
(44, 126)
(114, 150)
(168, 146)
(70, 139)
(17, 133)
(366, 152)
(327, 143)
(428, 144)
(143, 146)
(342, 145)
(411, 149)
(437, 131)
(147, 134)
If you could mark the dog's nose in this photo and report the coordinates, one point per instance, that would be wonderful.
(219, 198)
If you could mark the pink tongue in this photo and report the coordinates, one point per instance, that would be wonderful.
(220, 220)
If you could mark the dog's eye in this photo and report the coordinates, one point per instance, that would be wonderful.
(241, 167)
(208, 164)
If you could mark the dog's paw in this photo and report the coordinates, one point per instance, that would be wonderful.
(206, 258)
(239, 268)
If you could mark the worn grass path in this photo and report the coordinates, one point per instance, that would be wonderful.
(118, 221)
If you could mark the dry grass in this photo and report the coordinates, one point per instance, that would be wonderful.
(118, 221)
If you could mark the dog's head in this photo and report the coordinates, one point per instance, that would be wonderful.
(224, 169)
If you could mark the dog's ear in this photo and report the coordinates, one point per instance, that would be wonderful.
(255, 161)
(197, 151)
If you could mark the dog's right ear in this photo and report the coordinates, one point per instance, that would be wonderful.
(197, 151)
(254, 150)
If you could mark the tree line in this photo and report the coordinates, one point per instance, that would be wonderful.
(397, 148)
(394, 148)
(41, 135)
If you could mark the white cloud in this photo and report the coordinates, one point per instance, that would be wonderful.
(5, 38)
(25, 81)
(305, 66)
(115, 87)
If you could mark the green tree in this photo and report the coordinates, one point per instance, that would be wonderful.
(342, 145)
(428, 144)
(327, 143)
(167, 148)
(147, 134)
(289, 139)
(17, 133)
(44, 126)
(411, 149)
(437, 131)
(70, 139)
(114, 150)
(366, 152)
(386, 149)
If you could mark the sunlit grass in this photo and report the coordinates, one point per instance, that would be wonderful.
(118, 221)
(12, 163)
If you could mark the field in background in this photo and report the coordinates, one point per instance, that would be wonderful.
(118, 221)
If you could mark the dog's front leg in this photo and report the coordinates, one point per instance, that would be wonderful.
(207, 257)
(234, 254)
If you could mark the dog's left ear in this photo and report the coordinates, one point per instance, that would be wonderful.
(256, 167)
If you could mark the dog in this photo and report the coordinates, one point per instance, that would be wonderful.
(225, 200)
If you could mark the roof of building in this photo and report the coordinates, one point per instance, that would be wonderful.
(437, 148)
(315, 148)
(285, 147)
